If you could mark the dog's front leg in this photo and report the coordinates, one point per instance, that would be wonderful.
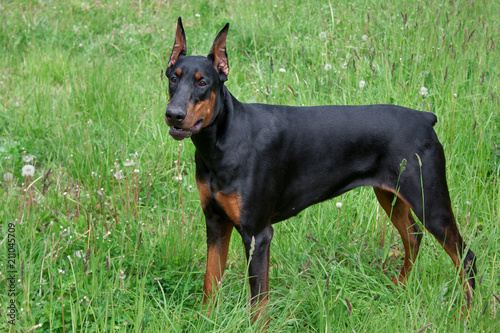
(257, 245)
(218, 236)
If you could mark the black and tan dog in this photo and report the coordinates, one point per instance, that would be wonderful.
(259, 164)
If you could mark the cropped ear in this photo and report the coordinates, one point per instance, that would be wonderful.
(179, 44)
(218, 54)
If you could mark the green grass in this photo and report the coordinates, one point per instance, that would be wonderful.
(81, 89)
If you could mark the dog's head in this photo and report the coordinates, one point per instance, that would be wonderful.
(193, 84)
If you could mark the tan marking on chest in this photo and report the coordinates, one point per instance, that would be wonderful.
(231, 204)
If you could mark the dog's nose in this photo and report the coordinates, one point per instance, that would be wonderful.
(175, 116)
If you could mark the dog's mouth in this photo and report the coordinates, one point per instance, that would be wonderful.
(179, 133)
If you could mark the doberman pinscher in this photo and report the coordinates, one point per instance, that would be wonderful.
(259, 164)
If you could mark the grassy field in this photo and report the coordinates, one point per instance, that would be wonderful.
(109, 233)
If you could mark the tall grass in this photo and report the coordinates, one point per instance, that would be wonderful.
(109, 230)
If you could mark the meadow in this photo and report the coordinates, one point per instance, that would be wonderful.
(104, 233)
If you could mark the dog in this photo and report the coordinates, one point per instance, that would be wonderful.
(259, 164)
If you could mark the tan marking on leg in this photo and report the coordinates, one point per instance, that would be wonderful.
(260, 312)
(231, 204)
(216, 262)
(403, 221)
(214, 271)
(449, 246)
(452, 243)
(204, 191)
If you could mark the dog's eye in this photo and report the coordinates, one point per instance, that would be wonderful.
(173, 79)
(202, 83)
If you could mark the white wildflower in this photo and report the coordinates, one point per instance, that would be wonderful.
(424, 91)
(128, 162)
(7, 177)
(339, 205)
(28, 170)
(328, 67)
(362, 84)
(364, 37)
(282, 70)
(322, 35)
(118, 175)
(28, 158)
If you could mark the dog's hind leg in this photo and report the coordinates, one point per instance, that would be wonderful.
(440, 222)
(401, 217)
(426, 190)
